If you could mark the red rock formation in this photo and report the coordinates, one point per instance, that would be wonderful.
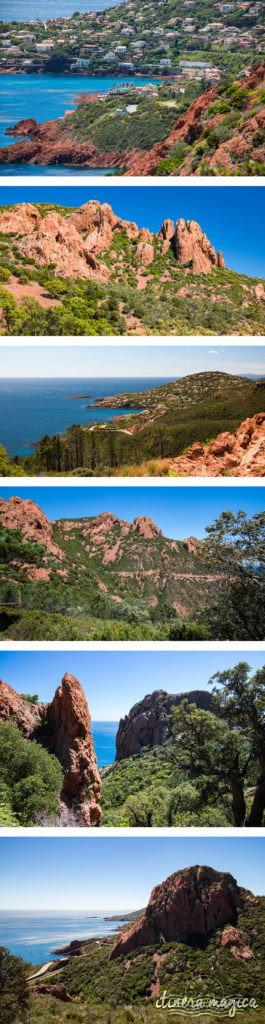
(238, 942)
(146, 528)
(148, 723)
(24, 515)
(192, 246)
(241, 453)
(14, 708)
(74, 243)
(191, 544)
(22, 218)
(188, 906)
(70, 738)
(63, 727)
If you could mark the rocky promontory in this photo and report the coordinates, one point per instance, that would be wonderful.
(63, 727)
(188, 907)
(148, 723)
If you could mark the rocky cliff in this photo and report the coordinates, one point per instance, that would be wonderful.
(240, 140)
(240, 454)
(188, 907)
(148, 722)
(63, 727)
(25, 515)
(76, 242)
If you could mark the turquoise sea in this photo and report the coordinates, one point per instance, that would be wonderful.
(34, 407)
(34, 936)
(46, 97)
(104, 736)
(25, 10)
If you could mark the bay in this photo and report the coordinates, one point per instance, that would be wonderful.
(30, 408)
(34, 936)
(46, 97)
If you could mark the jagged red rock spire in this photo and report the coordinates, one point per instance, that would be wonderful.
(63, 727)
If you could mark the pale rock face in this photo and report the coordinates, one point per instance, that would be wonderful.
(145, 253)
(22, 219)
(192, 246)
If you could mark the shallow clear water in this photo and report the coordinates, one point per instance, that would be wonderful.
(31, 408)
(104, 736)
(46, 97)
(34, 936)
(25, 10)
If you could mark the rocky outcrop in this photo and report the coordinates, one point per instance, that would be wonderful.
(25, 515)
(238, 942)
(191, 544)
(188, 907)
(69, 737)
(148, 723)
(193, 247)
(53, 143)
(76, 242)
(14, 708)
(63, 727)
(241, 453)
(145, 527)
(57, 991)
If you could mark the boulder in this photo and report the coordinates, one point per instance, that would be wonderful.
(238, 942)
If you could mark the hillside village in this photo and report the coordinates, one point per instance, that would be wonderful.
(190, 39)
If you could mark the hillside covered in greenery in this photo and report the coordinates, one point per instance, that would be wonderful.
(173, 417)
(105, 578)
(86, 271)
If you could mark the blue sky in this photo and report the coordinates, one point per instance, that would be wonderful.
(114, 874)
(129, 361)
(233, 218)
(178, 511)
(123, 677)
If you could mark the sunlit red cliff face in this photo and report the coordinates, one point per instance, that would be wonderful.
(76, 243)
(188, 907)
(63, 727)
(245, 142)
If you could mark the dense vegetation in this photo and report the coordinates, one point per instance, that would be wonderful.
(82, 604)
(197, 408)
(30, 779)
(211, 771)
(14, 990)
(222, 302)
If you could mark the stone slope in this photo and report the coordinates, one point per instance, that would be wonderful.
(74, 242)
(244, 141)
(25, 515)
(240, 454)
(148, 722)
(187, 907)
(63, 727)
